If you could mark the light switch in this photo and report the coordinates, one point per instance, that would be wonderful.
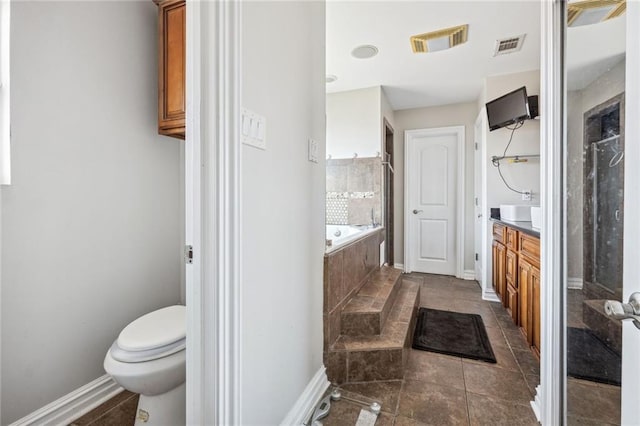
(313, 151)
(254, 129)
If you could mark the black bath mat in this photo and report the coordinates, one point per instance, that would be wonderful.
(452, 333)
(591, 359)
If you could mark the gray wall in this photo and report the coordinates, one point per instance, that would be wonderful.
(283, 205)
(91, 225)
(431, 117)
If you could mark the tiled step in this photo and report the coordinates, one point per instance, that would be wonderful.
(367, 311)
(608, 329)
(377, 357)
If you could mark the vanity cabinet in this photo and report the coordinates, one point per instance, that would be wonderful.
(499, 257)
(171, 67)
(516, 278)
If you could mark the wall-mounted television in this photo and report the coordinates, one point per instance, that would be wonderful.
(508, 109)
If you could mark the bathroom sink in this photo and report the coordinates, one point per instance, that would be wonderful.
(514, 212)
(536, 217)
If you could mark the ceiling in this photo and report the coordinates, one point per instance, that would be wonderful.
(439, 78)
(594, 49)
(455, 75)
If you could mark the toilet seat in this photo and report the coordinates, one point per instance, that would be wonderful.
(152, 336)
(122, 355)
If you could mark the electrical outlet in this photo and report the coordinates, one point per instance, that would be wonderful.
(526, 195)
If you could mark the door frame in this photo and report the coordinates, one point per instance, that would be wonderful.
(213, 212)
(389, 195)
(549, 404)
(459, 131)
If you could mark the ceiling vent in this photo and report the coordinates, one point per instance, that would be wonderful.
(589, 12)
(439, 40)
(509, 45)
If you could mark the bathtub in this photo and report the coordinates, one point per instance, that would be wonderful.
(341, 235)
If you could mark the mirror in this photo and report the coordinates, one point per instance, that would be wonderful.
(595, 43)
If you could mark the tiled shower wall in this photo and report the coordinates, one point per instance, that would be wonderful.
(354, 188)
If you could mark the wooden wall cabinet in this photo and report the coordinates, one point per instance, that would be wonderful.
(516, 277)
(171, 67)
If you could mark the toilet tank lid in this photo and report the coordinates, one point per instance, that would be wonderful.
(154, 330)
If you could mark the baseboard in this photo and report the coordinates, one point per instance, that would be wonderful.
(399, 266)
(73, 405)
(535, 404)
(574, 283)
(469, 274)
(490, 295)
(311, 395)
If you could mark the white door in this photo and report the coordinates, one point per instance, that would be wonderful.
(631, 277)
(431, 199)
(477, 200)
(603, 153)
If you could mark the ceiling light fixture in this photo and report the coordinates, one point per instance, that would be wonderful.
(365, 51)
(589, 12)
(439, 40)
(330, 78)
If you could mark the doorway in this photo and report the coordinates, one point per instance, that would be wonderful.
(388, 193)
(434, 200)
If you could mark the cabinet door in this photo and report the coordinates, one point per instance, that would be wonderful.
(511, 272)
(171, 68)
(535, 309)
(512, 302)
(494, 268)
(501, 267)
(524, 292)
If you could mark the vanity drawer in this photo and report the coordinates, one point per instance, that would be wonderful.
(530, 247)
(499, 231)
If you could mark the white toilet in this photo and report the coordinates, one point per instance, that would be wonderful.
(148, 358)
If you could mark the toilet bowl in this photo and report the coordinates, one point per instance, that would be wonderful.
(148, 358)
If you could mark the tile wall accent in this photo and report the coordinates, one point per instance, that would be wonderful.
(354, 188)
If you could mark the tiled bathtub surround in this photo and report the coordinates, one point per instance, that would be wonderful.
(354, 188)
(345, 271)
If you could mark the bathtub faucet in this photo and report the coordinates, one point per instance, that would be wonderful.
(373, 220)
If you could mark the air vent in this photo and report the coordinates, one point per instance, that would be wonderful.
(589, 12)
(509, 45)
(439, 40)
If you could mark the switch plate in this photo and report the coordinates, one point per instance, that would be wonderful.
(313, 151)
(253, 129)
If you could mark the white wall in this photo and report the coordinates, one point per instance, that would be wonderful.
(605, 87)
(424, 118)
(526, 140)
(353, 123)
(520, 176)
(91, 225)
(283, 205)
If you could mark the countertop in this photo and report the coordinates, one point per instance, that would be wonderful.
(520, 226)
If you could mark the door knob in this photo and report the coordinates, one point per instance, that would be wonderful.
(417, 211)
(480, 215)
(621, 311)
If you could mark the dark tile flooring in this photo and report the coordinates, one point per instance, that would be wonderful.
(448, 390)
(118, 411)
(588, 403)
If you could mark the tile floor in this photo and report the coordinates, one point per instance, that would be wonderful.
(118, 411)
(448, 390)
(441, 389)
